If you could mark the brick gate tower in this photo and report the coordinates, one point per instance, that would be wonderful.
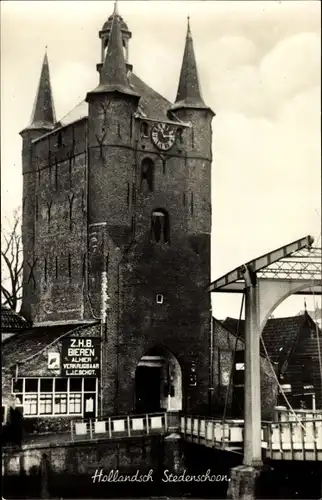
(123, 234)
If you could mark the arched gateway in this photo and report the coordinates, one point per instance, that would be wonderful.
(158, 382)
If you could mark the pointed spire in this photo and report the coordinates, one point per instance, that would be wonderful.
(113, 75)
(116, 10)
(43, 113)
(189, 93)
(188, 28)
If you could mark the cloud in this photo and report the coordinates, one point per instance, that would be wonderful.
(292, 65)
(259, 66)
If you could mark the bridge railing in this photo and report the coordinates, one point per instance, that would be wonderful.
(284, 439)
(212, 432)
(295, 436)
(120, 426)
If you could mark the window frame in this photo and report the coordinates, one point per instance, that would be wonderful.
(144, 129)
(37, 398)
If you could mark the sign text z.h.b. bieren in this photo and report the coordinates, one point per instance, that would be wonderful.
(81, 357)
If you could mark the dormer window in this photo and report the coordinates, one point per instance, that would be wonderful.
(144, 129)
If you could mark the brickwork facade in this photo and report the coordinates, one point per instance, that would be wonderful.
(117, 225)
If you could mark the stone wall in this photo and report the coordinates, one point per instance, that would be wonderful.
(224, 345)
(55, 221)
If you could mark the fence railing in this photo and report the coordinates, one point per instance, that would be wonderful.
(120, 426)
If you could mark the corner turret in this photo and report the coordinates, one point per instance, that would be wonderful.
(189, 93)
(43, 120)
(43, 116)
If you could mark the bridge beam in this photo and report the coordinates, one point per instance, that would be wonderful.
(273, 292)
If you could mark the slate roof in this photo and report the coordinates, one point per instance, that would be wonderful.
(43, 114)
(17, 349)
(12, 321)
(189, 93)
(152, 104)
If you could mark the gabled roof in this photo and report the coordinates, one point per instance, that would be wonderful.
(17, 349)
(232, 330)
(12, 321)
(279, 334)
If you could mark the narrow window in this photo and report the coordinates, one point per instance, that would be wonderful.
(163, 165)
(49, 172)
(144, 129)
(69, 266)
(83, 201)
(45, 269)
(160, 226)
(119, 130)
(133, 226)
(184, 199)
(70, 202)
(147, 175)
(179, 135)
(128, 194)
(133, 193)
(159, 298)
(192, 138)
(56, 267)
(39, 176)
(49, 205)
(191, 204)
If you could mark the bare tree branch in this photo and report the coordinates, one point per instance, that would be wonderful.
(11, 262)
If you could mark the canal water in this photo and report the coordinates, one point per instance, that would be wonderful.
(279, 480)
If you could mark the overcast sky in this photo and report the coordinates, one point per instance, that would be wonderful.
(259, 67)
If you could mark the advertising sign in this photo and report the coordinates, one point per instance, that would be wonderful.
(81, 357)
(54, 360)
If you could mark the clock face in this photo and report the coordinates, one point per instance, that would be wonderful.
(163, 136)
